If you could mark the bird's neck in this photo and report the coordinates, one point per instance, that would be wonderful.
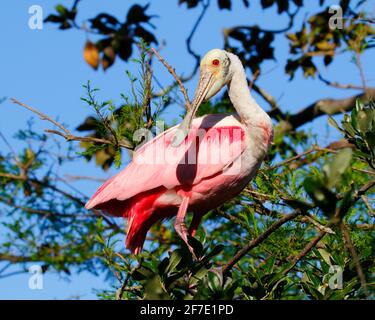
(251, 114)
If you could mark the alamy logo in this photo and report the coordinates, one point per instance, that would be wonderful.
(335, 280)
(336, 20)
(36, 278)
(36, 18)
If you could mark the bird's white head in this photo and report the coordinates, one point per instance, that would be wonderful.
(216, 71)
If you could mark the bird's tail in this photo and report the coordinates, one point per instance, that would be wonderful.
(138, 226)
(141, 214)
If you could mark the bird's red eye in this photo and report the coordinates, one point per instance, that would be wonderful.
(215, 62)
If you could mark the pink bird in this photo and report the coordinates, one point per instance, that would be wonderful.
(196, 166)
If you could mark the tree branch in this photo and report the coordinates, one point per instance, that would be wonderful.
(42, 116)
(257, 241)
(65, 133)
(353, 253)
(178, 80)
(327, 106)
(190, 37)
(275, 111)
(305, 250)
(339, 85)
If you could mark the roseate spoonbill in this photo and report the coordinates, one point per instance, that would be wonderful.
(196, 169)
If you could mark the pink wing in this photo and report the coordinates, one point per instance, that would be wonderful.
(211, 146)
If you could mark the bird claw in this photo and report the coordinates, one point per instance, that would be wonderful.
(185, 239)
(191, 249)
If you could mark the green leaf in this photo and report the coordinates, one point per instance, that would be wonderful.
(174, 260)
(333, 123)
(349, 129)
(143, 273)
(117, 158)
(346, 203)
(364, 121)
(61, 10)
(197, 246)
(325, 255)
(358, 105)
(154, 290)
(353, 118)
(338, 166)
(323, 197)
(214, 281)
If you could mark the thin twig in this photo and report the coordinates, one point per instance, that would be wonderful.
(15, 156)
(178, 80)
(362, 191)
(65, 133)
(69, 177)
(331, 148)
(71, 137)
(190, 37)
(353, 253)
(296, 157)
(42, 116)
(358, 62)
(40, 212)
(267, 97)
(124, 286)
(312, 220)
(364, 171)
(339, 85)
(254, 78)
(367, 204)
(62, 192)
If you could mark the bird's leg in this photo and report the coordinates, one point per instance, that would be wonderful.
(180, 225)
(197, 217)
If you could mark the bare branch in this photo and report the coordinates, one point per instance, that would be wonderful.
(190, 37)
(40, 212)
(69, 177)
(178, 80)
(65, 133)
(296, 157)
(313, 221)
(71, 137)
(46, 184)
(327, 106)
(42, 116)
(339, 85)
(362, 191)
(196, 56)
(15, 259)
(265, 95)
(358, 62)
(254, 78)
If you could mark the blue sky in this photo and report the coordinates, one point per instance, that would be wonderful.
(45, 69)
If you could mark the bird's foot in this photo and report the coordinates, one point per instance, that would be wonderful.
(184, 235)
(191, 249)
(181, 228)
